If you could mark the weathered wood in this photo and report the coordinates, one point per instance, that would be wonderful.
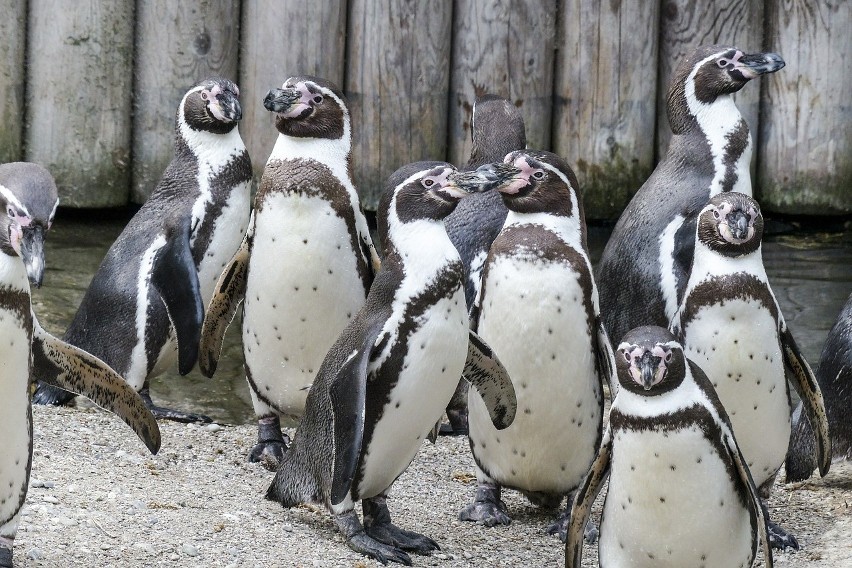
(397, 85)
(12, 50)
(279, 40)
(504, 47)
(805, 137)
(177, 45)
(78, 97)
(687, 24)
(606, 84)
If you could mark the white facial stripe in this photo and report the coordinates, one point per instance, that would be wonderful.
(668, 282)
(53, 211)
(12, 200)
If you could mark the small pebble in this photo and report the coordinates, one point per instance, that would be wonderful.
(190, 550)
(41, 483)
(50, 499)
(35, 554)
(212, 427)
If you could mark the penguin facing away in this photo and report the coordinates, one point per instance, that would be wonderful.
(680, 493)
(540, 314)
(306, 264)
(834, 376)
(387, 379)
(29, 199)
(644, 267)
(145, 304)
(731, 325)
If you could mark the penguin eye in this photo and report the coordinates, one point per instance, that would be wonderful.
(318, 99)
(722, 63)
(428, 182)
(668, 357)
(716, 214)
(626, 356)
(538, 174)
(204, 95)
(10, 212)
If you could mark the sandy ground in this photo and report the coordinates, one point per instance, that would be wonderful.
(98, 499)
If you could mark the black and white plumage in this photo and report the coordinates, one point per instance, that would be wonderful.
(540, 313)
(645, 265)
(29, 199)
(679, 492)
(306, 264)
(388, 377)
(144, 306)
(731, 325)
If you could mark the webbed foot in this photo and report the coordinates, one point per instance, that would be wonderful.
(560, 527)
(163, 413)
(271, 443)
(50, 395)
(358, 540)
(487, 507)
(5, 557)
(779, 538)
(378, 525)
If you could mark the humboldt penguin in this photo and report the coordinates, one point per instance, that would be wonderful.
(144, 307)
(305, 267)
(29, 199)
(644, 267)
(539, 312)
(388, 377)
(730, 325)
(680, 493)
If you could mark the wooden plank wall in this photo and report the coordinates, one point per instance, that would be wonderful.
(95, 99)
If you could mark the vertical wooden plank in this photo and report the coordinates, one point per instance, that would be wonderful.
(687, 24)
(78, 97)
(397, 85)
(503, 47)
(605, 88)
(805, 150)
(12, 50)
(177, 45)
(278, 40)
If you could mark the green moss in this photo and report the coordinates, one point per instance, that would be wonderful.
(608, 186)
(809, 193)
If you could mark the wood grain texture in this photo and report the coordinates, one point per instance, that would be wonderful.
(805, 147)
(504, 47)
(278, 40)
(397, 84)
(604, 99)
(177, 45)
(78, 97)
(687, 24)
(12, 50)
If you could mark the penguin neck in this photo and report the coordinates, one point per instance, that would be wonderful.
(681, 398)
(567, 228)
(212, 151)
(708, 263)
(13, 273)
(420, 248)
(335, 153)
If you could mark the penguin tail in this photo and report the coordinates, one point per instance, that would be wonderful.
(287, 486)
(801, 454)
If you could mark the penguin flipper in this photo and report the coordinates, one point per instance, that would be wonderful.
(484, 371)
(175, 278)
(814, 405)
(583, 500)
(606, 360)
(227, 297)
(68, 367)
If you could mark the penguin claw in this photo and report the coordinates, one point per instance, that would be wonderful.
(402, 539)
(163, 413)
(486, 512)
(269, 453)
(560, 527)
(50, 395)
(780, 539)
(364, 544)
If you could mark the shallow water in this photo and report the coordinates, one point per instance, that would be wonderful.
(810, 272)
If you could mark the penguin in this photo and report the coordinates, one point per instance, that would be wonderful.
(145, 304)
(496, 128)
(29, 199)
(306, 264)
(389, 375)
(539, 312)
(680, 493)
(644, 266)
(834, 376)
(730, 325)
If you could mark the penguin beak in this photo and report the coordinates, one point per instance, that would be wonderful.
(32, 252)
(647, 370)
(738, 222)
(755, 64)
(280, 100)
(489, 177)
(231, 107)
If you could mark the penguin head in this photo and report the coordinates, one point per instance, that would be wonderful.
(710, 72)
(496, 128)
(649, 361)
(731, 224)
(308, 107)
(213, 105)
(29, 199)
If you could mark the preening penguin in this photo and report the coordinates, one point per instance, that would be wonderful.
(388, 377)
(645, 265)
(306, 264)
(145, 304)
(680, 493)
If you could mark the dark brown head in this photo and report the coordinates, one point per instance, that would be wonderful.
(731, 224)
(213, 105)
(496, 128)
(649, 361)
(309, 107)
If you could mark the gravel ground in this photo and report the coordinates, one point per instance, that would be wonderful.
(98, 499)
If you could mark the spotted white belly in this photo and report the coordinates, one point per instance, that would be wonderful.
(431, 371)
(535, 320)
(303, 288)
(737, 346)
(671, 503)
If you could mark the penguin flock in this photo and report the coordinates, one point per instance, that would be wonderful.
(483, 306)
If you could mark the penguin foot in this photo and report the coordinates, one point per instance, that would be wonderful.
(378, 525)
(50, 395)
(163, 413)
(358, 540)
(560, 527)
(457, 425)
(269, 453)
(5, 557)
(487, 507)
(779, 538)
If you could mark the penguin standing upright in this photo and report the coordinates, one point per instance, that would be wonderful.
(388, 377)
(145, 304)
(644, 267)
(29, 198)
(834, 376)
(731, 325)
(540, 314)
(306, 264)
(680, 493)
